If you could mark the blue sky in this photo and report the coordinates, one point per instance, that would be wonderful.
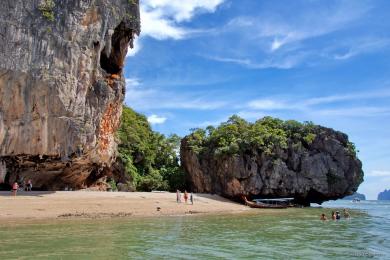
(199, 61)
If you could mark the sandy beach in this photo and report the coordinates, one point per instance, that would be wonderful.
(89, 204)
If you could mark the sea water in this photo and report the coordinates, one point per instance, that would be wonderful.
(294, 233)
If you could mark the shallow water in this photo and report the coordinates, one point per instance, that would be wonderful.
(289, 234)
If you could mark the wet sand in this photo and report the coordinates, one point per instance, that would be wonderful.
(89, 204)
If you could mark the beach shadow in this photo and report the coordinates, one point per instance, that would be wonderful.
(214, 197)
(26, 193)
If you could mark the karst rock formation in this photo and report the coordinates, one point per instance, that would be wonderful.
(62, 88)
(325, 169)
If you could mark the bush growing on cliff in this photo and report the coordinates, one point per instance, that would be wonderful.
(46, 7)
(237, 135)
(150, 158)
(267, 135)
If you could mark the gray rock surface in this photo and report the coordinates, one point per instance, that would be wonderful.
(62, 87)
(323, 170)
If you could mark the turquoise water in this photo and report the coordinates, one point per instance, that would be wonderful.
(289, 234)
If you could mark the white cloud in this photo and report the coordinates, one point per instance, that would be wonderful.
(140, 97)
(162, 19)
(354, 111)
(276, 44)
(157, 25)
(267, 104)
(379, 173)
(135, 92)
(361, 46)
(312, 22)
(273, 39)
(310, 106)
(181, 10)
(132, 82)
(287, 62)
(212, 123)
(383, 93)
(155, 119)
(136, 47)
(252, 114)
(293, 103)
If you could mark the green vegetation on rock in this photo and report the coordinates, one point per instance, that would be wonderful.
(237, 135)
(267, 134)
(150, 158)
(46, 7)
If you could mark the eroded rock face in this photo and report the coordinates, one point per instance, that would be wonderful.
(323, 170)
(61, 88)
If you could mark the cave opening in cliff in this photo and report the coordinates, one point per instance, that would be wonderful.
(113, 61)
(4, 185)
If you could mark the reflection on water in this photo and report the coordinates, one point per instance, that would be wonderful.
(290, 234)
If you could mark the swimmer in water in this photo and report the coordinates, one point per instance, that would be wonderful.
(346, 214)
(333, 215)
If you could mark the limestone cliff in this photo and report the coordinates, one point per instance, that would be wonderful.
(61, 88)
(310, 171)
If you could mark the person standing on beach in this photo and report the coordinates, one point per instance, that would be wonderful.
(185, 196)
(29, 185)
(191, 199)
(178, 199)
(15, 188)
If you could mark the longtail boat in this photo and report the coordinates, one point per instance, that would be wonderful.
(267, 203)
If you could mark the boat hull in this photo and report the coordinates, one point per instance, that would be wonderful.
(263, 205)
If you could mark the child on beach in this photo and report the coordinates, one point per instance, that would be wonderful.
(191, 199)
(185, 196)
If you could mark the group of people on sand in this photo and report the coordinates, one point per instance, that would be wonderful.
(336, 215)
(186, 197)
(27, 187)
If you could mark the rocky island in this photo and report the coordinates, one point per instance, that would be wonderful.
(384, 195)
(356, 195)
(62, 88)
(271, 158)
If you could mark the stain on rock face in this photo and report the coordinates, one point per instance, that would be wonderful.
(61, 88)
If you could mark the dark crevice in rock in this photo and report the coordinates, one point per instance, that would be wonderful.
(113, 61)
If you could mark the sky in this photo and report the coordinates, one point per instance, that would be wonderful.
(197, 62)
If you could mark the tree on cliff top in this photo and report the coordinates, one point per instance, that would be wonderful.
(148, 157)
(267, 134)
